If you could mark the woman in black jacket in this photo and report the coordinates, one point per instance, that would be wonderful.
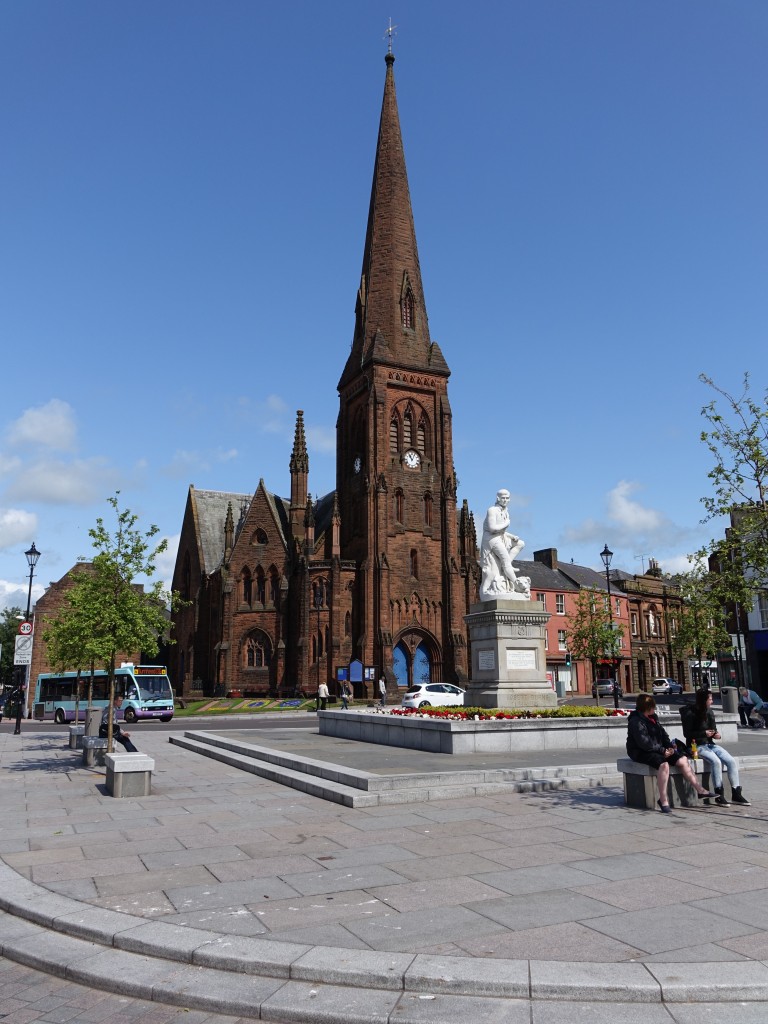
(648, 743)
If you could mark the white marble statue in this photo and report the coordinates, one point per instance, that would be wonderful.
(498, 548)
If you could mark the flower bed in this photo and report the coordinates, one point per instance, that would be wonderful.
(498, 714)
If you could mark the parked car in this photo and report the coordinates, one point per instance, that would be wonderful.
(437, 695)
(604, 688)
(666, 686)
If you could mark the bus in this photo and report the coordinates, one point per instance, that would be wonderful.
(145, 689)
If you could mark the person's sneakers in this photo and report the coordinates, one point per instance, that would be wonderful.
(737, 797)
(720, 798)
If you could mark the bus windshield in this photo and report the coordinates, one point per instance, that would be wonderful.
(154, 688)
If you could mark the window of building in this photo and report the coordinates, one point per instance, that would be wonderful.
(394, 435)
(546, 640)
(762, 607)
(398, 506)
(427, 509)
(260, 586)
(618, 608)
(261, 537)
(407, 430)
(258, 651)
(347, 624)
(414, 563)
(406, 309)
(633, 623)
(274, 587)
(560, 604)
(246, 585)
(421, 436)
(562, 644)
(543, 599)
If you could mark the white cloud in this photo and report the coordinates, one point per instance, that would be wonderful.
(52, 481)
(166, 562)
(273, 415)
(322, 439)
(675, 563)
(184, 463)
(631, 515)
(8, 464)
(16, 527)
(15, 594)
(50, 426)
(627, 524)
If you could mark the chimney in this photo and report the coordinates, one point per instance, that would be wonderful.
(547, 556)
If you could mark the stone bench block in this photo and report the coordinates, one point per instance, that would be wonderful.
(94, 750)
(76, 734)
(129, 775)
(641, 790)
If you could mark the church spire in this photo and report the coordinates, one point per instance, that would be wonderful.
(299, 466)
(391, 315)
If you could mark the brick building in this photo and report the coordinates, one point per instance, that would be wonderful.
(557, 586)
(378, 574)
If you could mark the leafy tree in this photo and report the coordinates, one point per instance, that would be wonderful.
(738, 441)
(701, 627)
(108, 610)
(9, 628)
(591, 634)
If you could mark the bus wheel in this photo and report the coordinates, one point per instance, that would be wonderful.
(130, 715)
(60, 717)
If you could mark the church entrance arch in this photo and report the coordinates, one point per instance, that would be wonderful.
(414, 659)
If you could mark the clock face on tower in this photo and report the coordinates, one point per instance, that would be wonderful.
(412, 459)
(357, 465)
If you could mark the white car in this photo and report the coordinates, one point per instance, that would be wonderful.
(666, 686)
(433, 695)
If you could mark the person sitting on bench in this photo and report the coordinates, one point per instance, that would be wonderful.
(117, 733)
(648, 743)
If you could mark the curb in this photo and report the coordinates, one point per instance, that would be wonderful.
(246, 976)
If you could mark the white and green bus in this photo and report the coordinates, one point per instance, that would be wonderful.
(145, 689)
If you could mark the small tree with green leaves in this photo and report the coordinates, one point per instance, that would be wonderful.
(738, 441)
(109, 611)
(591, 634)
(9, 629)
(701, 628)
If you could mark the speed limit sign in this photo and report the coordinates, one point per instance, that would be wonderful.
(25, 629)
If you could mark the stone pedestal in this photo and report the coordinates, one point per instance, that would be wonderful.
(509, 663)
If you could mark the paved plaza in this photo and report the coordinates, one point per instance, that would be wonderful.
(226, 896)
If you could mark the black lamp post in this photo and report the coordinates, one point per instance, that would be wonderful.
(606, 554)
(32, 557)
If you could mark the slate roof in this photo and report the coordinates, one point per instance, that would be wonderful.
(542, 577)
(583, 576)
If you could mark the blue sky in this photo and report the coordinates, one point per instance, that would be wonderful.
(184, 192)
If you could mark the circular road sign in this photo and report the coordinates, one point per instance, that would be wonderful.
(25, 628)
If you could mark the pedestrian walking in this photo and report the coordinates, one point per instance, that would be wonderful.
(118, 733)
(382, 692)
(616, 693)
(345, 695)
(322, 696)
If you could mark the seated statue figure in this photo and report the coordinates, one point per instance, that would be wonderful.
(497, 550)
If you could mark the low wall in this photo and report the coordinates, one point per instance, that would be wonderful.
(442, 736)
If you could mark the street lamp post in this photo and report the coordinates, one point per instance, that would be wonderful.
(606, 554)
(32, 557)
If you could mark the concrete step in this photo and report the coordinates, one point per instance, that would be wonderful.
(353, 788)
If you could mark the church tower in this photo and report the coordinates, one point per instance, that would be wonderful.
(396, 482)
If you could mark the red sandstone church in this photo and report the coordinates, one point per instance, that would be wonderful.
(376, 577)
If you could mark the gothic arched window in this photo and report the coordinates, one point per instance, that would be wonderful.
(406, 309)
(414, 563)
(274, 586)
(394, 435)
(260, 587)
(407, 430)
(347, 624)
(427, 509)
(398, 506)
(258, 650)
(246, 586)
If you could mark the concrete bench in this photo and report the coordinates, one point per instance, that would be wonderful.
(76, 734)
(94, 750)
(129, 774)
(640, 789)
